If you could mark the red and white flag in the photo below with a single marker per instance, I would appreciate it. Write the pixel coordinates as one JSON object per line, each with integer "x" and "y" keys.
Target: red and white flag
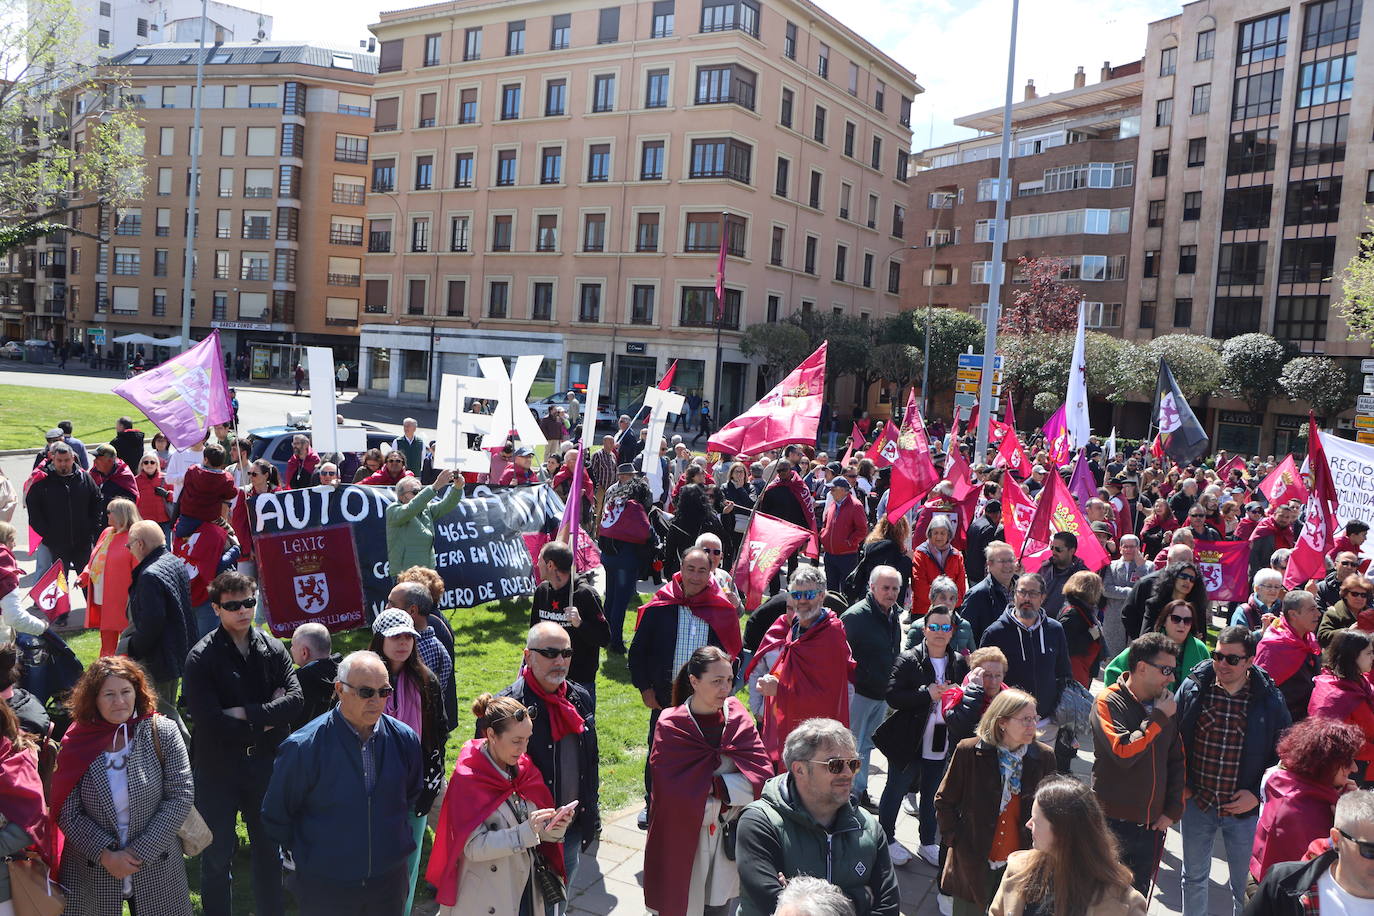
{"x": 788, "y": 414}
{"x": 1308, "y": 560}
{"x": 883, "y": 451}
{"x": 1225, "y": 568}
{"x": 1284, "y": 483}
{"x": 913, "y": 473}
{"x": 768, "y": 544}
{"x": 50, "y": 593}
{"x": 1056, "y": 511}
{"x": 1012, "y": 456}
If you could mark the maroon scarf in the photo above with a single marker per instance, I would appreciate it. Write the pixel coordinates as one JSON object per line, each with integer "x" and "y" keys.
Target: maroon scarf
{"x": 82, "y": 743}
{"x": 564, "y": 719}
{"x": 21, "y": 795}
{"x": 710, "y": 604}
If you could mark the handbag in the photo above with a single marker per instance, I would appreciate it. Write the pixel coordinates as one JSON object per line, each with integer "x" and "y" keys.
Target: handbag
{"x": 193, "y": 833}
{"x": 1075, "y": 707}
{"x": 547, "y": 880}
{"x": 31, "y": 893}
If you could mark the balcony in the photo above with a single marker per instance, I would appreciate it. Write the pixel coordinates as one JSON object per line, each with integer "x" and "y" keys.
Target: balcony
{"x": 255, "y": 273}
{"x": 349, "y": 155}
{"x": 257, "y": 192}
{"x": 53, "y": 307}
{"x": 345, "y": 236}
{"x": 379, "y": 242}
{"x": 348, "y": 194}
{"x": 257, "y": 232}
{"x": 343, "y": 279}
{"x": 55, "y": 271}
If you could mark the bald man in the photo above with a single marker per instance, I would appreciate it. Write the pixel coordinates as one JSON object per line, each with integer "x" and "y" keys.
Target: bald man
{"x": 160, "y": 622}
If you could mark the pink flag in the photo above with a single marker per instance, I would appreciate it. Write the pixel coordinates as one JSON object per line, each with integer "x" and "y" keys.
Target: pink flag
{"x": 1056, "y": 511}
{"x": 720, "y": 273}
{"x": 1082, "y": 484}
{"x": 1018, "y": 510}
{"x": 768, "y": 544}
{"x": 883, "y": 451}
{"x": 585, "y": 553}
{"x": 913, "y": 473}
{"x": 1284, "y": 483}
{"x": 1012, "y": 456}
{"x": 184, "y": 396}
{"x": 1309, "y": 554}
{"x": 787, "y": 414}
{"x": 1225, "y": 568}
{"x": 1225, "y": 470}
{"x": 1056, "y": 430}
{"x": 856, "y": 442}
{"x": 1007, "y": 415}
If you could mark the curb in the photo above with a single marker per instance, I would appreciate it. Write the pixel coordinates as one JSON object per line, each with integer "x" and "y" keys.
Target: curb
{"x": 16, "y": 452}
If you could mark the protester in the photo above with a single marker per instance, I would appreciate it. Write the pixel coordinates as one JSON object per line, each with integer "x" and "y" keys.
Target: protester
{"x": 873, "y": 629}
{"x": 411, "y": 518}
{"x": 1339, "y": 880}
{"x": 371, "y": 462}
{"x": 1262, "y": 607}
{"x": 65, "y": 508}
{"x": 127, "y": 442}
{"x": 521, "y": 470}
{"x": 28, "y": 709}
{"x": 886, "y": 545}
{"x": 982, "y": 531}
{"x": 114, "y": 478}
{"x": 985, "y": 601}
{"x": 933, "y": 558}
{"x": 806, "y": 824}
{"x": 1343, "y": 692}
{"x": 1118, "y": 578}
{"x": 1289, "y": 652}
{"x": 1352, "y": 611}
{"x": 434, "y": 638}
{"x": 340, "y": 799}
{"x": 1034, "y": 644}
{"x": 160, "y": 622}
{"x": 109, "y": 575}
{"x": 964, "y": 703}
{"x": 1274, "y": 532}
{"x": 1082, "y": 632}
{"x": 622, "y": 550}
{"x": 1316, "y": 761}
{"x": 1159, "y": 526}
{"x": 1344, "y": 563}
{"x": 121, "y": 790}
{"x": 410, "y": 444}
{"x": 1135, "y": 616}
{"x": 392, "y": 472}
{"x": 23, "y": 812}
{"x": 695, "y": 513}
{"x": 808, "y": 896}
{"x": 1138, "y": 766}
{"x": 1063, "y": 563}
{"x": 981, "y": 804}
{"x": 162, "y": 448}
{"x": 571, "y": 602}
{"x": 707, "y": 757}
{"x": 205, "y": 489}
{"x": 1179, "y": 582}
{"x": 316, "y": 668}
{"x": 1072, "y": 866}
{"x": 1230, "y": 715}
{"x": 1177, "y": 621}
{"x": 243, "y": 696}
{"x": 154, "y": 493}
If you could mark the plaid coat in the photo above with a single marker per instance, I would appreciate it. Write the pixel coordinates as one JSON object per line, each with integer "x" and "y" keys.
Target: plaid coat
{"x": 160, "y": 797}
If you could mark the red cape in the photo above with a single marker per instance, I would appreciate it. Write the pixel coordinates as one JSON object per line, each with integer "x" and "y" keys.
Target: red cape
{"x": 1283, "y": 535}
{"x": 9, "y": 571}
{"x": 21, "y": 795}
{"x": 710, "y": 604}
{"x": 384, "y": 478}
{"x": 1281, "y": 654}
{"x": 481, "y": 789}
{"x": 812, "y": 671}
{"x": 683, "y": 765}
{"x": 799, "y": 490}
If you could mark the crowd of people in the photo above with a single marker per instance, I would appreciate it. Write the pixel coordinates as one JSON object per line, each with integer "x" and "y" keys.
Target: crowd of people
{"x": 924, "y": 635}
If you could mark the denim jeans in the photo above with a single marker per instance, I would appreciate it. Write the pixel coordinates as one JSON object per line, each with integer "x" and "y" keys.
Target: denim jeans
{"x": 838, "y": 566}
{"x": 622, "y": 579}
{"x": 1199, "y": 830}
{"x": 222, "y": 793}
{"x": 205, "y": 619}
{"x": 899, "y": 782}
{"x": 865, "y": 716}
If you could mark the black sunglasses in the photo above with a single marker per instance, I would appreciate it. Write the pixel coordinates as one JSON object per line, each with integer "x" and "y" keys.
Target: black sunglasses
{"x": 1365, "y": 847}
{"x": 239, "y": 605}
{"x": 836, "y": 765}
{"x": 553, "y": 653}
{"x": 1229, "y": 658}
{"x": 1187, "y": 576}
{"x": 368, "y": 693}
{"x": 1166, "y": 670}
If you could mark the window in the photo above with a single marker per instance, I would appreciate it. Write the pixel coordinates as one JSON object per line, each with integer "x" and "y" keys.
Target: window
{"x": 292, "y": 141}
{"x": 594, "y": 232}
{"x": 1183, "y": 313}
{"x": 1187, "y": 259}
{"x": 774, "y": 306}
{"x": 159, "y": 262}
{"x": 541, "y": 304}
{"x": 785, "y": 114}
{"x": 164, "y": 223}
{"x": 1202, "y": 98}
{"x": 1164, "y": 112}
{"x": 780, "y": 183}
{"x": 987, "y": 190}
{"x": 980, "y": 273}
{"x": 546, "y": 232}
{"x": 1192, "y": 206}
{"x": 656, "y": 89}
{"x": 379, "y": 236}
{"x": 1246, "y": 208}
{"x": 498, "y": 298}
{"x": 559, "y": 37}
{"x": 1197, "y": 152}
{"x": 375, "y": 295}
{"x": 129, "y": 221}
{"x": 428, "y": 102}
{"x": 662, "y": 25}
{"x": 721, "y": 158}
{"x": 555, "y": 98}
{"x": 1206, "y": 45}
{"x": 424, "y": 173}
{"x": 1258, "y": 95}
{"x": 515, "y": 38}
{"x": 1317, "y": 200}
{"x": 904, "y": 116}
{"x": 641, "y": 304}
{"x": 164, "y": 182}
{"x": 385, "y": 114}
{"x": 1159, "y": 163}
{"x": 700, "y": 307}
{"x": 898, "y": 220}
{"x": 432, "y": 53}
{"x": 651, "y": 160}
{"x": 732, "y": 84}
{"x": 126, "y": 262}
{"x": 1301, "y": 317}
{"x": 507, "y": 165}
{"x": 703, "y": 233}
{"x": 467, "y": 106}
{"x": 879, "y": 92}
{"x": 853, "y": 78}
{"x": 254, "y": 265}
{"x": 608, "y": 26}
{"x": 841, "y": 262}
{"x": 868, "y": 270}
{"x": 502, "y": 229}
{"x": 777, "y": 244}
{"x": 344, "y": 272}
{"x": 724, "y": 15}
{"x": 872, "y": 221}
{"x": 354, "y": 104}
{"x": 1252, "y": 151}
{"x": 462, "y": 170}
{"x": 818, "y": 133}
{"x": 589, "y": 302}
{"x": 894, "y": 277}
{"x": 1155, "y": 217}
{"x": 603, "y": 92}
{"x": 823, "y": 60}
{"x": 510, "y": 102}
{"x": 458, "y": 233}
{"x": 1330, "y": 22}
{"x": 1151, "y": 264}
{"x": 1310, "y": 260}
{"x": 1368, "y": 190}
{"x": 1241, "y": 263}
{"x": 389, "y": 56}
{"x": 1232, "y": 315}
{"x": 103, "y": 38}
{"x": 903, "y": 164}
{"x": 599, "y": 162}
{"x": 551, "y": 165}
{"x": 1168, "y": 61}
{"x": 646, "y": 232}
{"x": 1147, "y": 314}
{"x": 166, "y": 141}
{"x": 814, "y": 199}
{"x": 1095, "y": 221}
{"x": 1320, "y": 141}
{"x": 456, "y": 300}
{"x": 472, "y": 44}
{"x": 876, "y": 158}
{"x": 809, "y": 258}
{"x": 1326, "y": 81}
{"x": 263, "y": 96}
{"x": 419, "y": 234}
{"x": 789, "y": 41}
{"x": 1262, "y": 39}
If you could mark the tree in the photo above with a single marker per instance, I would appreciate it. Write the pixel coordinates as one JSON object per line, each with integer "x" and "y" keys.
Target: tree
{"x": 1252, "y": 364}
{"x": 952, "y": 332}
{"x": 1044, "y": 304}
{"x": 1039, "y": 365}
{"x": 898, "y": 363}
{"x": 1320, "y": 381}
{"x": 1356, "y": 305}
{"x": 1194, "y": 359}
{"x": 43, "y": 178}
{"x": 781, "y": 345}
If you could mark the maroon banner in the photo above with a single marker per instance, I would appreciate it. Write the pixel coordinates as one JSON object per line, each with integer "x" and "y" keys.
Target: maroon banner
{"x": 1225, "y": 568}
{"x": 292, "y": 569}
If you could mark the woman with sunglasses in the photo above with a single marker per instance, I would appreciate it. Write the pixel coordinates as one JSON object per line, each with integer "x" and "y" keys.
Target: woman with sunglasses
{"x": 984, "y": 801}
{"x": 417, "y": 702}
{"x": 497, "y": 819}
{"x": 392, "y": 470}
{"x": 109, "y": 575}
{"x": 1343, "y": 692}
{"x": 708, "y": 762}
{"x": 1177, "y": 620}
{"x": 1352, "y": 611}
{"x": 371, "y": 463}
{"x": 1180, "y": 582}
{"x": 154, "y": 493}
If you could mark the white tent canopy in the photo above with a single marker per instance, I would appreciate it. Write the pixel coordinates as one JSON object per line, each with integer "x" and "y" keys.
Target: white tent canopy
{"x": 145, "y": 339}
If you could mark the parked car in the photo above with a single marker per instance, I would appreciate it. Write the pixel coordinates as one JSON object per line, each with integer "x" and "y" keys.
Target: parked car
{"x": 12, "y": 350}
{"x": 274, "y": 442}
{"x": 605, "y": 413}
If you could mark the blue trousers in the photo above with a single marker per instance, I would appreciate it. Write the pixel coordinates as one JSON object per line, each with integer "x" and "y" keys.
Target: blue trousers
{"x": 622, "y": 581}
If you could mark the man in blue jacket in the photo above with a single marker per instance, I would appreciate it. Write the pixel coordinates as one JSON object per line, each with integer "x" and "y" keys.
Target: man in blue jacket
{"x": 339, "y": 799}
{"x": 1036, "y": 650}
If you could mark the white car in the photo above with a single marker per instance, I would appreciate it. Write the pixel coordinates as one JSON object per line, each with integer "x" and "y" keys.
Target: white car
{"x": 12, "y": 350}
{"x": 605, "y": 414}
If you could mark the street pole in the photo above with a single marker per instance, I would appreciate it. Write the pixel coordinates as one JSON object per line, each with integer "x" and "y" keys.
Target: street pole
{"x": 998, "y": 245}
{"x": 192, "y": 218}
{"x": 720, "y": 321}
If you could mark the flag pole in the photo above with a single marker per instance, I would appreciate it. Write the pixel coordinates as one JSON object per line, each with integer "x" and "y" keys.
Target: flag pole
{"x": 720, "y": 317}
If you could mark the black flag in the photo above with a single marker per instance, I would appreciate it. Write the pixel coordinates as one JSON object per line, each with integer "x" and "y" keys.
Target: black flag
{"x": 1181, "y": 436}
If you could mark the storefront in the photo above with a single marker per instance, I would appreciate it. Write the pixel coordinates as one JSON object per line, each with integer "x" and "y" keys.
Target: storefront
{"x": 1238, "y": 432}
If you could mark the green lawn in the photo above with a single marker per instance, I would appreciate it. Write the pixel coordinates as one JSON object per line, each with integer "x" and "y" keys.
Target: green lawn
{"x": 27, "y": 412}
{"x": 487, "y": 649}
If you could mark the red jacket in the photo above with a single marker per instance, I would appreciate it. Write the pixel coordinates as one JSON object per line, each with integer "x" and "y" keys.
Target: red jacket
{"x": 846, "y": 526}
{"x": 925, "y": 569}
{"x": 384, "y": 478}
{"x": 150, "y": 505}
{"x": 1296, "y": 811}
{"x": 1346, "y": 700}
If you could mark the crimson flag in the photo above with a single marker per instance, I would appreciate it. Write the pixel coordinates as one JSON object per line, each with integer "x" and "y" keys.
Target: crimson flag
{"x": 667, "y": 381}
{"x": 1012, "y": 456}
{"x": 1308, "y": 560}
{"x": 1056, "y": 511}
{"x": 1284, "y": 483}
{"x": 311, "y": 576}
{"x": 883, "y": 451}
{"x": 913, "y": 473}
{"x": 788, "y": 414}
{"x": 50, "y": 593}
{"x": 1225, "y": 568}
{"x": 1225, "y": 470}
{"x": 856, "y": 442}
{"x": 1018, "y": 510}
{"x": 768, "y": 544}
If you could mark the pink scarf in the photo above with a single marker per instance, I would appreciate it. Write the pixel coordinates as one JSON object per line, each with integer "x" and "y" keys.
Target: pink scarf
{"x": 404, "y": 704}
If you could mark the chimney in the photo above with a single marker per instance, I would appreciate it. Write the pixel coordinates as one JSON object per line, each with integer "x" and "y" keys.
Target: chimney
{"x": 1106, "y": 70}
{"x": 1030, "y": 90}
{"x": 1080, "y": 79}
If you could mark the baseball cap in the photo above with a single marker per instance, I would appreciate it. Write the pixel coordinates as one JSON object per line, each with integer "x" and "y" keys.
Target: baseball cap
{"x": 524, "y": 451}
{"x": 839, "y": 482}
{"x": 393, "y": 622}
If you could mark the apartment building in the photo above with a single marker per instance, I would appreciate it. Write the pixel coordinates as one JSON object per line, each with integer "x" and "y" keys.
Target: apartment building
{"x": 283, "y": 169}
{"x": 1072, "y": 180}
{"x": 1250, "y": 126}
{"x": 557, "y": 177}
{"x": 111, "y": 27}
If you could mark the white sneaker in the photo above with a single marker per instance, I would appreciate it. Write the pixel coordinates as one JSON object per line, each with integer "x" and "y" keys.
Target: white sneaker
{"x": 930, "y": 855}
{"x": 898, "y": 853}
{"x": 945, "y": 903}
{"x": 909, "y": 805}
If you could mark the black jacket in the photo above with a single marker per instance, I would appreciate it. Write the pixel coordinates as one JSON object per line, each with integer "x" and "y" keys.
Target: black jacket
{"x": 444, "y": 633}
{"x": 982, "y": 532}
{"x": 900, "y": 736}
{"x": 317, "y": 688}
{"x": 218, "y": 677}
{"x": 756, "y": 626}
{"x": 588, "y": 638}
{"x": 878, "y": 553}
{"x": 66, "y": 511}
{"x": 28, "y": 709}
{"x": 1037, "y": 660}
{"x": 1328, "y": 591}
{"x": 160, "y": 615}
{"x": 651, "y": 652}
{"x": 874, "y": 638}
{"x": 544, "y": 753}
{"x": 1285, "y": 884}
{"x": 1134, "y": 615}
{"x": 1179, "y": 504}
{"x": 128, "y": 445}
{"x": 984, "y": 603}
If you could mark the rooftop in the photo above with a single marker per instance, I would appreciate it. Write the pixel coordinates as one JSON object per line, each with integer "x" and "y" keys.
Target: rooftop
{"x": 249, "y": 52}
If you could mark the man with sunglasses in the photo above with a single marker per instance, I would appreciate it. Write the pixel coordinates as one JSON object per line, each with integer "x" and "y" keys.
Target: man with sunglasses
{"x": 1138, "y": 767}
{"x": 1343, "y": 565}
{"x": 241, "y": 691}
{"x": 570, "y": 602}
{"x": 1059, "y": 568}
{"x": 1230, "y": 715}
{"x": 1339, "y": 882}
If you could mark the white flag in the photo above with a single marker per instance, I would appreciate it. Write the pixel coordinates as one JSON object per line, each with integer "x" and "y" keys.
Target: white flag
{"x": 1076, "y": 400}
{"x": 1111, "y": 444}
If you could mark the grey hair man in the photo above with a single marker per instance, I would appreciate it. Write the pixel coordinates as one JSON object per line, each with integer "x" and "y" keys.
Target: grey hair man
{"x": 985, "y": 601}
{"x": 786, "y": 833}
{"x": 317, "y": 666}
{"x": 808, "y": 896}
{"x": 1293, "y": 672}
{"x": 873, "y": 627}
{"x": 1118, "y": 579}
{"x": 715, "y": 552}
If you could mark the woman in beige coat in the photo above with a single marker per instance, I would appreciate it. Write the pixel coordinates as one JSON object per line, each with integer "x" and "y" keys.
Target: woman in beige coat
{"x": 1065, "y": 871}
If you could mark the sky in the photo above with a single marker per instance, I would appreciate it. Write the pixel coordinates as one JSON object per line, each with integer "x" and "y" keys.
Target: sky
{"x": 956, "y": 48}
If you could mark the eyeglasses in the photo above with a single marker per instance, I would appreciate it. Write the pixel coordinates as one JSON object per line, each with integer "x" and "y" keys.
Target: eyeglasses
{"x": 1188, "y": 577}
{"x": 713, "y": 551}
{"x": 1166, "y": 670}
{"x": 939, "y": 627}
{"x": 1357, "y": 594}
{"x": 153, "y": 462}
{"x": 1059, "y": 550}
{"x": 368, "y": 693}
{"x": 1351, "y": 563}
{"x": 553, "y": 653}
{"x": 329, "y": 473}
{"x": 255, "y": 473}
{"x": 805, "y": 594}
{"x": 1029, "y": 593}
{"x": 1366, "y": 847}
{"x": 239, "y": 605}
{"x": 1228, "y": 658}
{"x": 836, "y": 765}
{"x": 1028, "y": 721}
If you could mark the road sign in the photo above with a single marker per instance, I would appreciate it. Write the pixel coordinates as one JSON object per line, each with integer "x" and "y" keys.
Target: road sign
{"x": 1365, "y": 403}
{"x": 1366, "y": 365}
{"x": 1363, "y": 422}
{"x": 975, "y": 361}
{"x": 968, "y": 400}
{"x": 973, "y": 388}
{"x": 1365, "y": 436}
{"x": 1369, "y": 384}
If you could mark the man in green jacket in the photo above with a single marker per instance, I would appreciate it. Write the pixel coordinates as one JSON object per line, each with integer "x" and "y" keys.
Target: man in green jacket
{"x": 410, "y": 521}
